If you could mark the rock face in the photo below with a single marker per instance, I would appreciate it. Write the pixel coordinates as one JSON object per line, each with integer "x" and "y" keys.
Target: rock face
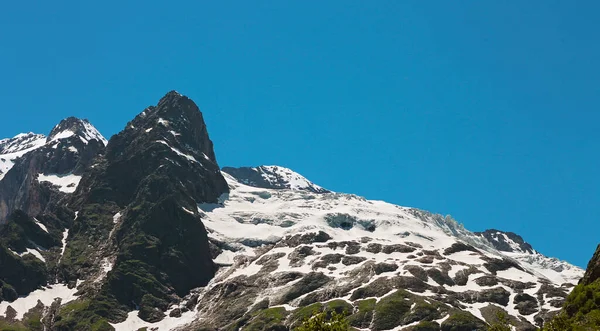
{"x": 507, "y": 241}
{"x": 148, "y": 244}
{"x": 47, "y": 168}
{"x": 273, "y": 177}
{"x": 146, "y": 231}
{"x": 592, "y": 273}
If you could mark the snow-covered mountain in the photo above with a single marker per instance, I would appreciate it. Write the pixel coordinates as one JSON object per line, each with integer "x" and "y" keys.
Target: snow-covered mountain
{"x": 273, "y": 177}
{"x": 37, "y": 170}
{"x": 13, "y": 148}
{"x": 145, "y": 231}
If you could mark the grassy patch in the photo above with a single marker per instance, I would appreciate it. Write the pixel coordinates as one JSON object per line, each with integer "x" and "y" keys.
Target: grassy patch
{"x": 391, "y": 311}
{"x": 266, "y": 318}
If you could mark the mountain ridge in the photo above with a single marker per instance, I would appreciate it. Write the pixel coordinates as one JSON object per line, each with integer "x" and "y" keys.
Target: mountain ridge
{"x": 151, "y": 232}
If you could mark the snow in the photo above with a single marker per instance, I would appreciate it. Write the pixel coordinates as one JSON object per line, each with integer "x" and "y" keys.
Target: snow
{"x": 267, "y": 215}
{"x": 66, "y": 183}
{"x": 88, "y": 133}
{"x": 273, "y": 174}
{"x": 73, "y": 149}
{"x": 225, "y": 258}
{"x": 553, "y": 269}
{"x": 92, "y": 133}
{"x": 42, "y": 226}
{"x": 133, "y": 322}
{"x": 149, "y": 129}
{"x": 117, "y": 217}
{"x": 467, "y": 257}
{"x": 178, "y": 152}
{"x": 63, "y": 135}
{"x": 45, "y": 295}
{"x": 187, "y": 210}
{"x": 163, "y": 122}
{"x": 516, "y": 274}
{"x": 16, "y": 147}
{"x": 64, "y": 242}
{"x": 31, "y": 251}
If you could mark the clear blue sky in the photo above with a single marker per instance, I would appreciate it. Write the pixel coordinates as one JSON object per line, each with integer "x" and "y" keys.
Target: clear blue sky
{"x": 487, "y": 110}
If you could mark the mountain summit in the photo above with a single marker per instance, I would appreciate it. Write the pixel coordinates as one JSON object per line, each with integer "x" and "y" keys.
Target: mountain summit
{"x": 273, "y": 177}
{"x": 72, "y": 126}
{"x": 39, "y": 170}
{"x": 145, "y": 231}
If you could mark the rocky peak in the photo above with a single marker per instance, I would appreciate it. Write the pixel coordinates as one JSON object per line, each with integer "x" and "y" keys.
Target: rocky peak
{"x": 273, "y": 177}
{"x": 175, "y": 122}
{"x": 80, "y": 128}
{"x": 507, "y": 241}
{"x": 13, "y": 148}
{"x": 21, "y": 142}
{"x": 39, "y": 171}
{"x": 592, "y": 272}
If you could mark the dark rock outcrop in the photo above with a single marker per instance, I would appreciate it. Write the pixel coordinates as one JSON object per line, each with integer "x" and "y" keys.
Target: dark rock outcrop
{"x": 506, "y": 241}
{"x": 154, "y": 173}
{"x": 273, "y": 177}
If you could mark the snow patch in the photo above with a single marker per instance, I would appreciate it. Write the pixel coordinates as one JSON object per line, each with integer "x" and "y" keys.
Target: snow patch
{"x": 178, "y": 152}
{"x": 46, "y": 295}
{"x": 66, "y": 183}
{"x": 42, "y": 226}
{"x": 134, "y": 322}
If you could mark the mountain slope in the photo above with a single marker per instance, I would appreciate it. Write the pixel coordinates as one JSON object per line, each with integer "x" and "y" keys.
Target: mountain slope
{"x": 287, "y": 249}
{"x": 581, "y": 311}
{"x": 154, "y": 235}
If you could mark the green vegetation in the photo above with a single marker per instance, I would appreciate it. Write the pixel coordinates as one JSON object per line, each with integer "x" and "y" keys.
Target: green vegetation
{"x": 391, "y": 310}
{"x": 323, "y": 322}
{"x": 80, "y": 315}
{"x": 363, "y": 317}
{"x": 265, "y": 319}
{"x": 426, "y": 326}
{"x": 306, "y": 312}
{"x": 31, "y": 322}
{"x": 502, "y": 323}
{"x": 463, "y": 320}
{"x": 581, "y": 311}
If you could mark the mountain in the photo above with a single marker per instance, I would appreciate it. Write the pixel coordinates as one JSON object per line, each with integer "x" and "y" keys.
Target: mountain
{"x": 13, "y": 148}
{"x": 273, "y": 177}
{"x": 147, "y": 231}
{"x": 41, "y": 170}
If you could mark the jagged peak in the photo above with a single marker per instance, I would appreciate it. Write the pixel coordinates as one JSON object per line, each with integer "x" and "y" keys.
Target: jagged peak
{"x": 507, "y": 241}
{"x": 21, "y": 142}
{"x": 273, "y": 177}
{"x": 72, "y": 126}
